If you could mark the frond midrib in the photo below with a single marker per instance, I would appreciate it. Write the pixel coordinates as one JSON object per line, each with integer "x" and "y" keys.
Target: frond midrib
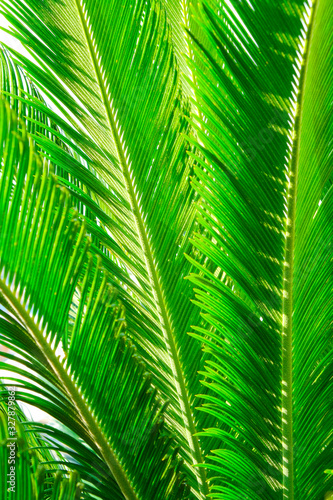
{"x": 288, "y": 273}
{"x": 161, "y": 306}
{"x": 95, "y": 432}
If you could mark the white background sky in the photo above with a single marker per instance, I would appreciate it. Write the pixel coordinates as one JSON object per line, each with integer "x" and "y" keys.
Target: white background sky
{"x": 8, "y": 39}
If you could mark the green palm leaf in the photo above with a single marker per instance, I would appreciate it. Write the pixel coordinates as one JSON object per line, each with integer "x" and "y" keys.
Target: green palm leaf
{"x": 266, "y": 201}
{"x": 117, "y": 60}
{"x": 22, "y": 475}
{"x": 101, "y": 389}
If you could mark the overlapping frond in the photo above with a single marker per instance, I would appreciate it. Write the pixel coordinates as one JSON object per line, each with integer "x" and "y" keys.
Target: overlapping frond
{"x": 118, "y": 62}
{"x": 14, "y": 81}
{"x": 101, "y": 389}
{"x": 23, "y": 477}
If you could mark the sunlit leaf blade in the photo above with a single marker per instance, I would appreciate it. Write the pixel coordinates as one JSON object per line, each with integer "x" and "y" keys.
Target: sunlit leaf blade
{"x": 101, "y": 389}
{"x": 14, "y": 81}
{"x": 118, "y": 61}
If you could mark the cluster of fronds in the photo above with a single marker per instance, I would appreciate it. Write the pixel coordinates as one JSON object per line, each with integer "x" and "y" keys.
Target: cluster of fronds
{"x": 166, "y": 248}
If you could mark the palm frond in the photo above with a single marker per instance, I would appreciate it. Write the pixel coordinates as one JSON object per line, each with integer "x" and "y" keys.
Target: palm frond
{"x": 101, "y": 389}
{"x": 118, "y": 62}
{"x": 266, "y": 203}
{"x": 22, "y": 475}
{"x": 53, "y": 138}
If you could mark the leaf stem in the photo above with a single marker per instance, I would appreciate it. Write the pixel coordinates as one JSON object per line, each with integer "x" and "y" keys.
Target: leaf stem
{"x": 287, "y": 300}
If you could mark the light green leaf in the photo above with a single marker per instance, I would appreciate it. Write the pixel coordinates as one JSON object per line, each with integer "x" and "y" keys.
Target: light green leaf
{"x": 113, "y": 67}
{"x": 101, "y": 389}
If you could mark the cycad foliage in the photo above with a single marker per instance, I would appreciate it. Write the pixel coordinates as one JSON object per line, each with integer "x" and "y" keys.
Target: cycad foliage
{"x": 27, "y": 478}
{"x": 168, "y": 225}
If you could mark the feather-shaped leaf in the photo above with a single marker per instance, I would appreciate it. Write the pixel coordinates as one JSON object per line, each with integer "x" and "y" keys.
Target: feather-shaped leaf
{"x": 266, "y": 201}
{"x": 101, "y": 389}
{"x": 21, "y": 474}
{"x": 112, "y": 65}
